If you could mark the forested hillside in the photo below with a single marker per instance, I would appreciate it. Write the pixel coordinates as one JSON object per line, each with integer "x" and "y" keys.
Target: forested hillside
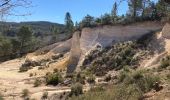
{"x": 40, "y": 33}
{"x": 38, "y": 27}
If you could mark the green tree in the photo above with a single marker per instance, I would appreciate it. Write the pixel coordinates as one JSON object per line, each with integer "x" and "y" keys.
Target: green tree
{"x": 98, "y": 21}
{"x": 5, "y": 46}
{"x": 88, "y": 21}
{"x": 154, "y": 13}
{"x": 69, "y": 25}
{"x": 55, "y": 32}
{"x": 76, "y": 89}
{"x": 106, "y": 19}
{"x": 24, "y": 36}
{"x": 145, "y": 6}
{"x": 54, "y": 79}
{"x": 134, "y": 7}
{"x": 114, "y": 13}
{"x": 162, "y": 8}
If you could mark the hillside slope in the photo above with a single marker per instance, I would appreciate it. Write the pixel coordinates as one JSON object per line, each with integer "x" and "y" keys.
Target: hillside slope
{"x": 105, "y": 45}
{"x": 103, "y": 36}
{"x": 108, "y": 35}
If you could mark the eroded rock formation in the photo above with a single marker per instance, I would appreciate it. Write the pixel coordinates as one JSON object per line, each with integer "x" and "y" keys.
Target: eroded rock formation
{"x": 89, "y": 38}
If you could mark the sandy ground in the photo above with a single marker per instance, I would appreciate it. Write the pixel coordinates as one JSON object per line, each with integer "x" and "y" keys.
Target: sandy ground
{"x": 12, "y": 82}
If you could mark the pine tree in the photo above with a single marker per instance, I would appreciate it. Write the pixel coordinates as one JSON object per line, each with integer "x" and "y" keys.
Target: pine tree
{"x": 114, "y": 13}
{"x": 88, "y": 21}
{"x": 5, "y": 46}
{"x": 24, "y": 36}
{"x": 69, "y": 25}
{"x": 134, "y": 7}
{"x": 145, "y": 6}
{"x": 162, "y": 8}
{"x": 154, "y": 13}
{"x": 106, "y": 19}
{"x": 54, "y": 31}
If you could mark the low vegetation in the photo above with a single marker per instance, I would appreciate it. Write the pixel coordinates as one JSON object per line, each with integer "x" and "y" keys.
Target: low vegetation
{"x": 44, "y": 96}
{"x": 139, "y": 10}
{"x": 24, "y": 69}
{"x": 115, "y": 57}
{"x": 37, "y": 82}
{"x": 108, "y": 78}
{"x": 76, "y": 89}
{"x": 54, "y": 78}
{"x": 91, "y": 79}
{"x": 25, "y": 94}
{"x": 130, "y": 86}
{"x": 1, "y": 98}
{"x": 80, "y": 78}
{"x": 118, "y": 56}
{"x": 165, "y": 62}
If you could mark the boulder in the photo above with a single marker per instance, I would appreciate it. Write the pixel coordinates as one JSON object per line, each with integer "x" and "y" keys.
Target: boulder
{"x": 166, "y": 31}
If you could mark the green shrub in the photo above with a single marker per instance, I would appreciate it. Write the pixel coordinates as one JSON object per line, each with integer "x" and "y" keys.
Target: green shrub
{"x": 6, "y": 46}
{"x": 41, "y": 68}
{"x": 131, "y": 86}
{"x": 168, "y": 76}
{"x": 48, "y": 73}
{"x": 118, "y": 92}
{"x": 122, "y": 76}
{"x": 150, "y": 80}
{"x": 69, "y": 75}
{"x": 141, "y": 79}
{"x": 97, "y": 88}
{"x": 127, "y": 92}
{"x": 23, "y": 69}
{"x": 126, "y": 68}
{"x": 55, "y": 70}
{"x": 44, "y": 95}
{"x": 108, "y": 78}
{"x": 37, "y": 82}
{"x": 165, "y": 62}
{"x": 80, "y": 78}
{"x": 25, "y": 93}
{"x": 31, "y": 74}
{"x": 120, "y": 55}
{"x": 76, "y": 89}
{"x": 1, "y": 98}
{"x": 91, "y": 79}
{"x": 54, "y": 79}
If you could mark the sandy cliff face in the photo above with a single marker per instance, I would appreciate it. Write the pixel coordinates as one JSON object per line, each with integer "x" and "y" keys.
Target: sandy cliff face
{"x": 86, "y": 40}
{"x": 75, "y": 52}
{"x": 106, "y": 35}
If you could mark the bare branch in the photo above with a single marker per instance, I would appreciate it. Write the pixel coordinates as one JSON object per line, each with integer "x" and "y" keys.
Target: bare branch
{"x": 5, "y": 3}
{"x": 7, "y": 7}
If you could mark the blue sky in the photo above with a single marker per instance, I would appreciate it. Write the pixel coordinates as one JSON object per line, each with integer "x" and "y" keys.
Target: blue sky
{"x": 54, "y": 10}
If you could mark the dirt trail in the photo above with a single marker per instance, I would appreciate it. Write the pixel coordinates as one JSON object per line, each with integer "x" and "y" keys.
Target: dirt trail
{"x": 12, "y": 82}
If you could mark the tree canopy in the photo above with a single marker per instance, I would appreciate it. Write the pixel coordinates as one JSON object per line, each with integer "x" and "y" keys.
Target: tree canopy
{"x": 69, "y": 25}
